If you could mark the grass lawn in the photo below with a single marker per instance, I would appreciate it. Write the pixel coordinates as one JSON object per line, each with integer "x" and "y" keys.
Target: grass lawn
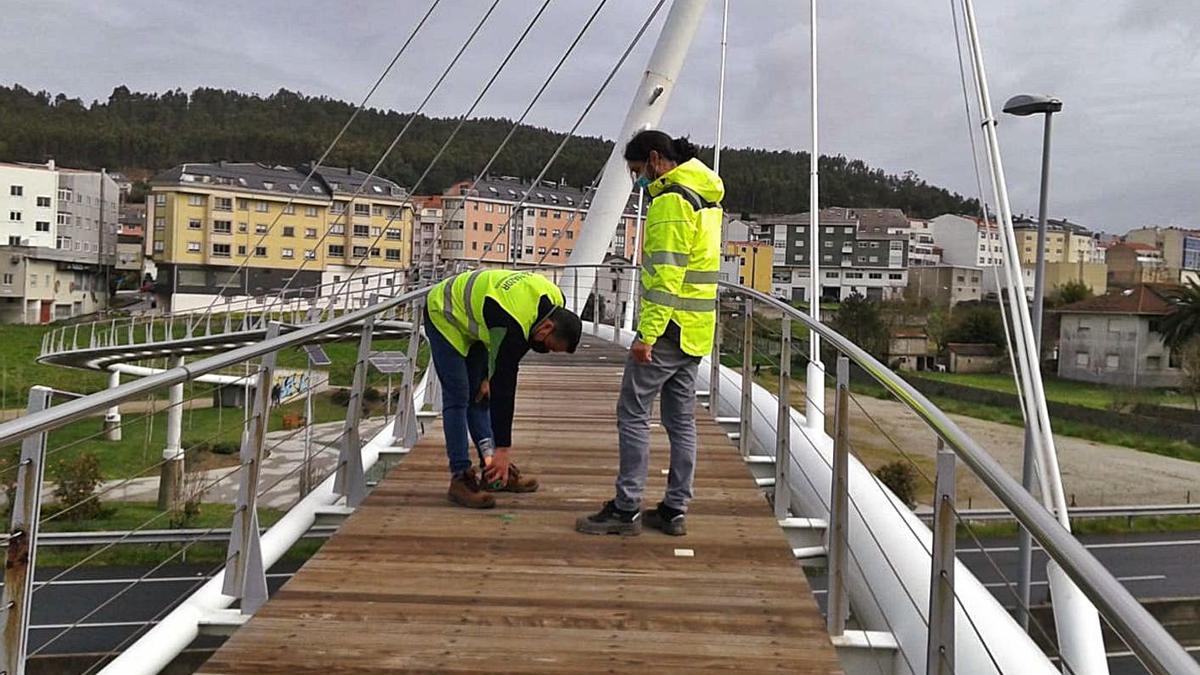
{"x": 1063, "y": 391}
{"x": 19, "y": 369}
{"x": 1079, "y": 526}
{"x": 133, "y": 453}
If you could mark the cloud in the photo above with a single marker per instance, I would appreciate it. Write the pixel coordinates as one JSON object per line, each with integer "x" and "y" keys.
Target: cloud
{"x": 1124, "y": 147}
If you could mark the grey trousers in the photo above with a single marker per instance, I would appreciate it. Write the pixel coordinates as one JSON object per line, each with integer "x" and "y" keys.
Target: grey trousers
{"x": 673, "y": 373}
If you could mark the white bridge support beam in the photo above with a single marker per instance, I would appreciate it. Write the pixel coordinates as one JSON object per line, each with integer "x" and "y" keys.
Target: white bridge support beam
{"x": 170, "y": 480}
{"x": 889, "y": 552}
{"x": 649, "y": 103}
{"x": 112, "y": 418}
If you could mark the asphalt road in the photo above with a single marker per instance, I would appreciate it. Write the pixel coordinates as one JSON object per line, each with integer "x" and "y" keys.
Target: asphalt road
{"x": 1150, "y": 565}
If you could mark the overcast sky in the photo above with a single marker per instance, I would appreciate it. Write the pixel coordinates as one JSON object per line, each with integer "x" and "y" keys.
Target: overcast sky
{"x": 1126, "y": 147}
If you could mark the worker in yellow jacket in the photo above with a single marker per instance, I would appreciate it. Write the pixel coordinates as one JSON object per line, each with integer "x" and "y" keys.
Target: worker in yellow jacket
{"x": 681, "y": 258}
{"x": 480, "y": 324}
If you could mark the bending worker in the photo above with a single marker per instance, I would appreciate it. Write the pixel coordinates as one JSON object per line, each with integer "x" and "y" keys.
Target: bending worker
{"x": 681, "y": 254}
{"x": 480, "y": 324}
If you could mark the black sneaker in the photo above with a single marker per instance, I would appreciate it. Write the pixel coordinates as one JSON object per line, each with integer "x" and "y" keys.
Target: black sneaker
{"x": 670, "y": 521}
{"x": 611, "y": 520}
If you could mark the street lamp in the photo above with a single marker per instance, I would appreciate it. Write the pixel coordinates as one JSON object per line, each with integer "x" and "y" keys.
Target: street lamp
{"x": 1023, "y": 105}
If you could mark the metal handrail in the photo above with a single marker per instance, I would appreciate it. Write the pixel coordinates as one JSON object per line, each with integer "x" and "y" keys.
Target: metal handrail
{"x": 1145, "y": 636}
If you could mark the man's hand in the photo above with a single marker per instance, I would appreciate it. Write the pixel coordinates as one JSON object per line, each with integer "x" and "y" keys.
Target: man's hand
{"x": 497, "y": 469}
{"x": 641, "y": 351}
{"x": 485, "y": 390}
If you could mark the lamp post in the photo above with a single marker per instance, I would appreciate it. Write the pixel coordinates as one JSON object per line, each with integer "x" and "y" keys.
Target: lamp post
{"x": 1023, "y": 105}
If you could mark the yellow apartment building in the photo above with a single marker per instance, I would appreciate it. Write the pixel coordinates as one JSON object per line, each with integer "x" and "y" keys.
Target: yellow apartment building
{"x": 206, "y": 220}
{"x": 754, "y": 263}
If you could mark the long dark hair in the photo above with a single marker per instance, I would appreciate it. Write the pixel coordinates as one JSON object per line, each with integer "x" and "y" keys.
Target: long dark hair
{"x": 677, "y": 150}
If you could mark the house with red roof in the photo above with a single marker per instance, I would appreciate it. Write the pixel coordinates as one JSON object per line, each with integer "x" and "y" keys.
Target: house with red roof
{"x": 1116, "y": 339}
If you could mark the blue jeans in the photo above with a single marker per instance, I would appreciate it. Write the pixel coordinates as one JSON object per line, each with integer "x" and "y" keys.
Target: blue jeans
{"x": 461, "y": 414}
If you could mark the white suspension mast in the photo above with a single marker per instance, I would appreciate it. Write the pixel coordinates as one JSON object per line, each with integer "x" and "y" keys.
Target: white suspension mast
{"x": 1075, "y": 617}
{"x": 814, "y": 407}
{"x": 721, "y": 91}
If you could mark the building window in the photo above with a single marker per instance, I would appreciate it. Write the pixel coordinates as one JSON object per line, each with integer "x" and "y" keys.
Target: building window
{"x": 310, "y": 233}
{"x": 42, "y": 226}
{"x": 393, "y": 254}
{"x": 43, "y": 202}
{"x": 310, "y": 254}
{"x": 337, "y": 251}
{"x": 194, "y": 224}
{"x": 528, "y": 250}
{"x": 541, "y": 231}
{"x": 241, "y": 250}
{"x": 289, "y": 231}
{"x": 393, "y": 234}
{"x": 362, "y": 230}
{"x": 360, "y": 251}
{"x": 828, "y": 244}
{"x": 223, "y": 204}
{"x": 261, "y": 228}
{"x": 874, "y": 275}
{"x": 158, "y": 246}
{"x": 337, "y": 228}
{"x": 873, "y": 259}
{"x": 310, "y": 211}
{"x": 8, "y": 279}
{"x": 193, "y": 247}
{"x": 1112, "y": 361}
{"x": 289, "y": 209}
{"x": 543, "y": 213}
{"x": 362, "y": 209}
{"x": 829, "y": 230}
{"x": 160, "y": 224}
{"x": 262, "y": 207}
{"x": 14, "y": 215}
{"x": 570, "y": 234}
{"x": 220, "y": 250}
{"x": 260, "y": 251}
{"x": 243, "y": 204}
{"x": 1153, "y": 363}
{"x": 223, "y": 227}
{"x": 16, "y": 190}
{"x": 285, "y": 252}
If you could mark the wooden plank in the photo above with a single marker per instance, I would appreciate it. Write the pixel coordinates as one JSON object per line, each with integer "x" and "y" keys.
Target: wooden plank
{"x": 411, "y": 583}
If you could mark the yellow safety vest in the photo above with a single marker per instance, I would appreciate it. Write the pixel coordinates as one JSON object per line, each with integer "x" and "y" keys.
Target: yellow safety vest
{"x": 456, "y": 303}
{"x": 681, "y": 256}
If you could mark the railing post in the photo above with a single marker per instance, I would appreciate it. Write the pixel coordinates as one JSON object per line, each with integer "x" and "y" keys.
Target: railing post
{"x": 940, "y": 652}
{"x": 618, "y": 315}
{"x": 596, "y": 318}
{"x": 404, "y": 427}
{"x": 746, "y": 409}
{"x": 22, "y": 542}
{"x": 783, "y": 424}
{"x": 349, "y": 480}
{"x": 714, "y": 365}
{"x": 839, "y": 503}
{"x": 245, "y": 576}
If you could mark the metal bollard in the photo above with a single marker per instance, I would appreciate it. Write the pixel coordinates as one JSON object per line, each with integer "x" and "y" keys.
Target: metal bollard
{"x": 839, "y": 506}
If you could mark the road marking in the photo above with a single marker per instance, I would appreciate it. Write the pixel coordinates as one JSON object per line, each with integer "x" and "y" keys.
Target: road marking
{"x": 1105, "y": 545}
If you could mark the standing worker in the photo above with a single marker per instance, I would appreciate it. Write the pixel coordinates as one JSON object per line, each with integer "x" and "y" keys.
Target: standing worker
{"x": 681, "y": 259}
{"x": 480, "y": 324}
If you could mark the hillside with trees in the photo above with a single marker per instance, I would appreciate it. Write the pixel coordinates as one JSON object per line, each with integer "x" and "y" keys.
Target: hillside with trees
{"x": 140, "y": 133}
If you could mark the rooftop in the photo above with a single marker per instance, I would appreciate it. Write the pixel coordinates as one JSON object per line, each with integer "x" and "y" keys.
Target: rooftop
{"x": 972, "y": 348}
{"x": 284, "y": 180}
{"x": 1144, "y": 299}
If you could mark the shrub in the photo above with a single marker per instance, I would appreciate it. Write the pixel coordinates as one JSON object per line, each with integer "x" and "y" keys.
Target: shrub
{"x": 901, "y": 478}
{"x": 225, "y": 448}
{"x": 76, "y": 482}
{"x": 372, "y": 395}
{"x": 341, "y": 397}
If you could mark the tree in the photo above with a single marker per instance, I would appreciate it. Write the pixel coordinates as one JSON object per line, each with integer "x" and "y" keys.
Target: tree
{"x": 1189, "y": 362}
{"x": 1071, "y": 292}
{"x": 1182, "y": 325}
{"x": 937, "y": 327}
{"x": 901, "y": 479}
{"x": 861, "y": 320}
{"x": 976, "y": 324}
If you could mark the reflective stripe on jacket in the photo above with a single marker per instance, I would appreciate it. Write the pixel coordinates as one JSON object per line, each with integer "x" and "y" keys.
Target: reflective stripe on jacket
{"x": 681, "y": 256}
{"x": 456, "y": 303}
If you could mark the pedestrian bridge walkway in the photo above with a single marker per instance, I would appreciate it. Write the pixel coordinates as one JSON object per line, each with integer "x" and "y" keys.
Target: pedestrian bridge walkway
{"x": 412, "y": 583}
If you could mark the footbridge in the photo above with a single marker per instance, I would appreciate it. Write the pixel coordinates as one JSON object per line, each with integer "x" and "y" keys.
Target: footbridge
{"x": 408, "y": 583}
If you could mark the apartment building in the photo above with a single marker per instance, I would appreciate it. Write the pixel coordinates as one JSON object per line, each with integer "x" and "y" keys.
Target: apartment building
{"x": 870, "y": 263}
{"x": 967, "y": 241}
{"x": 945, "y": 285}
{"x": 59, "y": 235}
{"x": 754, "y": 263}
{"x": 1180, "y": 249}
{"x": 205, "y": 220}
{"x": 1131, "y": 263}
{"x": 495, "y": 222}
{"x": 922, "y": 248}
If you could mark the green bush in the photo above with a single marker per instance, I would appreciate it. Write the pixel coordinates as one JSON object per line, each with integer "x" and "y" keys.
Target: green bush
{"x": 225, "y": 448}
{"x": 901, "y": 478}
{"x": 341, "y": 397}
{"x": 76, "y": 482}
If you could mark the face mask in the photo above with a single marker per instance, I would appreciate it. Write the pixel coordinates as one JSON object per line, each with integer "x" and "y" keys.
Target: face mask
{"x": 642, "y": 182}
{"x": 539, "y": 347}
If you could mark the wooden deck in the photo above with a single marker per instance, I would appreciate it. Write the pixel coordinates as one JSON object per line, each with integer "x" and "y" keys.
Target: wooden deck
{"x": 411, "y": 583}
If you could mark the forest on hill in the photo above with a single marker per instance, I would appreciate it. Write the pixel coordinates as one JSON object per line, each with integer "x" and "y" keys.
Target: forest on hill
{"x": 141, "y": 133}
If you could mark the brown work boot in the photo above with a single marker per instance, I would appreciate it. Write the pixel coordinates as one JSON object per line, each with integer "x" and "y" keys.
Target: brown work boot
{"x": 516, "y": 482}
{"x": 465, "y": 490}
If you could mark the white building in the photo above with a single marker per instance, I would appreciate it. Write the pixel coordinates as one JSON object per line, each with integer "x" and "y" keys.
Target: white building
{"x": 922, "y": 248}
{"x": 30, "y": 204}
{"x": 967, "y": 242}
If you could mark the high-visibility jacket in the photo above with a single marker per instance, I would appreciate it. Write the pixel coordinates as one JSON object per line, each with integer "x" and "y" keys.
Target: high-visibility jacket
{"x": 681, "y": 256}
{"x": 456, "y": 303}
